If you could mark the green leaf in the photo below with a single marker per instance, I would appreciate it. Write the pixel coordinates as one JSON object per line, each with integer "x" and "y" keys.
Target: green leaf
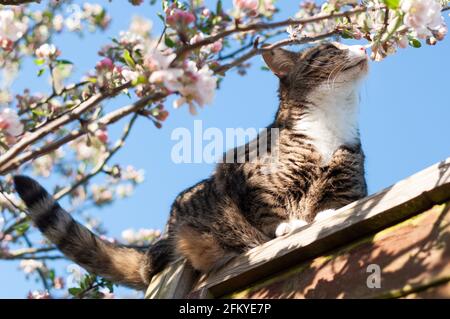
{"x": 39, "y": 61}
{"x": 22, "y": 228}
{"x": 51, "y": 275}
{"x": 40, "y": 72}
{"x": 265, "y": 68}
{"x": 168, "y": 41}
{"x": 140, "y": 80}
{"x": 160, "y": 15}
{"x": 38, "y": 112}
{"x": 346, "y": 34}
{"x": 219, "y": 7}
{"x": 415, "y": 43}
{"x": 392, "y": 4}
{"x": 74, "y": 291}
{"x": 128, "y": 59}
{"x": 59, "y": 62}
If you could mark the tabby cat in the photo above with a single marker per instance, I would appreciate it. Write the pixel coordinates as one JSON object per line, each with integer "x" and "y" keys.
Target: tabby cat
{"x": 319, "y": 168}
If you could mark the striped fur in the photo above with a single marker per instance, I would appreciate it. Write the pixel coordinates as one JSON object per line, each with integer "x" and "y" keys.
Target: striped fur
{"x": 319, "y": 168}
{"x": 118, "y": 264}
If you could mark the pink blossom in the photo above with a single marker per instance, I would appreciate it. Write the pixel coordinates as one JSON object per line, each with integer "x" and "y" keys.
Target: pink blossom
{"x": 102, "y": 135}
{"x": 250, "y": 5}
{"x": 179, "y": 17}
{"x": 36, "y": 294}
{"x": 216, "y": 46}
{"x": 106, "y": 63}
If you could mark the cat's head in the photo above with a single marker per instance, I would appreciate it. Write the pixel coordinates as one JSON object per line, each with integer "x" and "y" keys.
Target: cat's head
{"x": 328, "y": 67}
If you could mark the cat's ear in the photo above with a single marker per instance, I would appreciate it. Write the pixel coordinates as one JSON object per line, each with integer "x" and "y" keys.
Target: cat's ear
{"x": 280, "y": 61}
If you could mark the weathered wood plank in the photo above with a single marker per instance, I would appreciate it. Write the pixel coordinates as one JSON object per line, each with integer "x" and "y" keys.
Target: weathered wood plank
{"x": 435, "y": 291}
{"x": 396, "y": 203}
{"x": 411, "y": 257}
{"x": 174, "y": 282}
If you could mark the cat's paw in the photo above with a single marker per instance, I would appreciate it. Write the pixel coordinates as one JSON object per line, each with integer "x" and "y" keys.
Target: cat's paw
{"x": 324, "y": 214}
{"x": 288, "y": 227}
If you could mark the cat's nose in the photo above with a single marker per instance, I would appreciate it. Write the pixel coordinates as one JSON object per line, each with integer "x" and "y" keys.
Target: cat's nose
{"x": 358, "y": 50}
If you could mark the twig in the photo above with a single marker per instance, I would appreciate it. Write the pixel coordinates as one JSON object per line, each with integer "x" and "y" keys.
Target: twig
{"x": 266, "y": 26}
{"x": 108, "y": 119}
{"x": 99, "y": 167}
{"x": 255, "y": 51}
{"x": 53, "y": 125}
{"x": 18, "y": 2}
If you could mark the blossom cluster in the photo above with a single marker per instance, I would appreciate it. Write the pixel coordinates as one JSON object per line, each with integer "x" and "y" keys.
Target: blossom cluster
{"x": 386, "y": 25}
{"x": 140, "y": 237}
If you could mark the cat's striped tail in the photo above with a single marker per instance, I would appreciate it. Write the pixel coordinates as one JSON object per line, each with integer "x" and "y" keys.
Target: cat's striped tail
{"x": 119, "y": 264}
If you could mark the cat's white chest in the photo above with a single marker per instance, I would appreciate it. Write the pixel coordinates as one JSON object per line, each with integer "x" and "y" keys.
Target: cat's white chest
{"x": 331, "y": 122}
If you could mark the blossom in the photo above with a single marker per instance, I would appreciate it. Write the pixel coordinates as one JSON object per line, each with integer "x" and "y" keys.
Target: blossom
{"x": 141, "y": 236}
{"x": 10, "y": 122}
{"x": 198, "y": 86}
{"x": 102, "y": 135}
{"x": 43, "y": 165}
{"x": 29, "y": 266}
{"x": 36, "y": 294}
{"x": 101, "y": 194}
{"x": 124, "y": 190}
{"x": 106, "y": 63}
{"x": 211, "y": 48}
{"x": 246, "y": 4}
{"x": 130, "y": 173}
{"x": 157, "y": 60}
{"x": 178, "y": 17}
{"x": 11, "y": 28}
{"x": 58, "y": 283}
{"x": 76, "y": 274}
{"x": 422, "y": 15}
{"x": 46, "y": 51}
{"x": 92, "y": 9}
{"x": 254, "y": 8}
{"x": 129, "y": 75}
{"x": 170, "y": 78}
{"x": 58, "y": 22}
{"x": 140, "y": 26}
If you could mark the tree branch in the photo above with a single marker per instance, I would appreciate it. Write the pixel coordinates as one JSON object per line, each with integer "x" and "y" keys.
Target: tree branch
{"x": 108, "y": 119}
{"x": 17, "y": 2}
{"x": 55, "y": 124}
{"x": 255, "y": 51}
{"x": 266, "y": 26}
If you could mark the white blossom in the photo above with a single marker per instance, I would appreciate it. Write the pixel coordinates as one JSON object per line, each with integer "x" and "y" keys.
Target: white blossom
{"x": 76, "y": 274}
{"x": 10, "y": 122}
{"x": 58, "y": 22}
{"x": 10, "y": 27}
{"x": 46, "y": 50}
{"x": 140, "y": 26}
{"x": 140, "y": 236}
{"x": 124, "y": 190}
{"x": 422, "y": 15}
{"x": 37, "y": 294}
{"x": 29, "y": 266}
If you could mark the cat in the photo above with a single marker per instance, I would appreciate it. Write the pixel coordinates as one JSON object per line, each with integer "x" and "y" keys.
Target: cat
{"x": 319, "y": 168}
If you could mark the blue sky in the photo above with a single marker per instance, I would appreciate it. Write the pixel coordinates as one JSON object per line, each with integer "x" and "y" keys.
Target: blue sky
{"x": 404, "y": 124}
